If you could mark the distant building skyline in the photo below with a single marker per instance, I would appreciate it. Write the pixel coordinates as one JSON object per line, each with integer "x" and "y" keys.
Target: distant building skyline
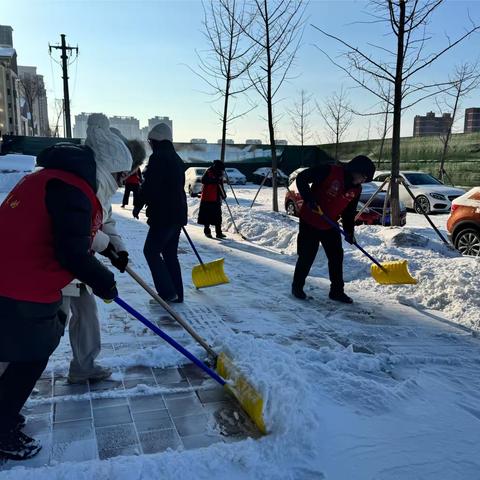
{"x": 431, "y": 125}
{"x": 472, "y": 120}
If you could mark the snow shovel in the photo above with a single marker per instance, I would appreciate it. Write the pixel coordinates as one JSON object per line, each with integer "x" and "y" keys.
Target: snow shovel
{"x": 386, "y": 273}
{"x": 246, "y": 395}
{"x": 207, "y": 274}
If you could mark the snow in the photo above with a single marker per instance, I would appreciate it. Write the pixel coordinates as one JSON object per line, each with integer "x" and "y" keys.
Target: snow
{"x": 387, "y": 388}
{"x": 13, "y": 167}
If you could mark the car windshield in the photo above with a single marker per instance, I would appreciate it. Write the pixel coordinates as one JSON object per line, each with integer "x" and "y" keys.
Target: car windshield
{"x": 422, "y": 179}
{"x": 200, "y": 171}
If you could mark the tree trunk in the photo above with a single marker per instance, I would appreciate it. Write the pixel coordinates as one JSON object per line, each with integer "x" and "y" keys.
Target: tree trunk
{"x": 397, "y": 117}
{"x": 271, "y": 128}
{"x": 224, "y": 120}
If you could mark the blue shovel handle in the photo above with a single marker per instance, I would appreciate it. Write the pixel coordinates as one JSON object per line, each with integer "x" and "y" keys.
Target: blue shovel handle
{"x": 169, "y": 340}
{"x": 342, "y": 231}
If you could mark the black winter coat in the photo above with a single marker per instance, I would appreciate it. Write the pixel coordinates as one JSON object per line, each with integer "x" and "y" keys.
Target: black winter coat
{"x": 163, "y": 188}
{"x": 31, "y": 331}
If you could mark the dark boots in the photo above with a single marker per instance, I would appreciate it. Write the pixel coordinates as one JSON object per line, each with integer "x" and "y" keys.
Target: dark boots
{"x": 16, "y": 445}
{"x": 298, "y": 292}
{"x": 218, "y": 232}
{"x": 340, "y": 297}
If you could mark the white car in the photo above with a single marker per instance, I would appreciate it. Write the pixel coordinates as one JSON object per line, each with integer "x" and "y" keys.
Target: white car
{"x": 193, "y": 180}
{"x": 260, "y": 173}
{"x": 235, "y": 176}
{"x": 431, "y": 195}
{"x": 13, "y": 167}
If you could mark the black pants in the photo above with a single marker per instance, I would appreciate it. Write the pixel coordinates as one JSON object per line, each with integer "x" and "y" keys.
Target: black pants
{"x": 16, "y": 385}
{"x": 308, "y": 241}
{"x": 130, "y": 188}
{"x": 161, "y": 253}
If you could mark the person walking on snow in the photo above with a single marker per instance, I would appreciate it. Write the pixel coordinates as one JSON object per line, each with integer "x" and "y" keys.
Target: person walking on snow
{"x": 335, "y": 189}
{"x": 163, "y": 192}
{"x": 113, "y": 164}
{"x": 213, "y": 193}
{"x": 132, "y": 185}
{"x": 48, "y": 221}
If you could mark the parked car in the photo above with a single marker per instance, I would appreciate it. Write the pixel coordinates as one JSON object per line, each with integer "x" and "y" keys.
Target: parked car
{"x": 463, "y": 225}
{"x": 13, "y": 167}
{"x": 293, "y": 176}
{"x": 431, "y": 195}
{"x": 193, "y": 180}
{"x": 368, "y": 189}
{"x": 235, "y": 176}
{"x": 260, "y": 173}
{"x": 370, "y": 216}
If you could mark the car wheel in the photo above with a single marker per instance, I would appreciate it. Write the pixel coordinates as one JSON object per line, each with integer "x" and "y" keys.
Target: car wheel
{"x": 290, "y": 208}
{"x": 422, "y": 205}
{"x": 467, "y": 242}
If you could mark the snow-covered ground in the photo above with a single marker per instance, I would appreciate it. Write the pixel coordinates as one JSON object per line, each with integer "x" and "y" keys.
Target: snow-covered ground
{"x": 386, "y": 388}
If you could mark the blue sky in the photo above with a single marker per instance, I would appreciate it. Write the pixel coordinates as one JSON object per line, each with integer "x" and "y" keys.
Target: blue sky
{"x": 134, "y": 58}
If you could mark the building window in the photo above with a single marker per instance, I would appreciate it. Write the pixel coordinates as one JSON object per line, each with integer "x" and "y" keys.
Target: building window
{"x": 8, "y": 91}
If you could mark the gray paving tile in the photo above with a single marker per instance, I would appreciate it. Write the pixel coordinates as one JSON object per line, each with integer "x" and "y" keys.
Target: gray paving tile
{"x": 39, "y": 425}
{"x": 167, "y": 376}
{"x": 115, "y": 438}
{"x": 43, "y": 388}
{"x": 185, "y": 405}
{"x": 200, "y": 441}
{"x": 191, "y": 425}
{"x": 159, "y": 441}
{"x": 133, "y": 382}
{"x": 213, "y": 395}
{"x": 108, "y": 402}
{"x": 154, "y": 420}
{"x": 108, "y": 416}
{"x": 72, "y": 410}
{"x": 117, "y": 452}
{"x": 75, "y": 451}
{"x": 138, "y": 372}
{"x": 39, "y": 409}
{"x": 64, "y": 432}
{"x": 146, "y": 403}
{"x": 105, "y": 385}
{"x": 62, "y": 387}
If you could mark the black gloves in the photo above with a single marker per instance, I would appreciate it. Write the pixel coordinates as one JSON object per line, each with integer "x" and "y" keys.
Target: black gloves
{"x": 108, "y": 294}
{"x": 350, "y": 238}
{"x": 119, "y": 259}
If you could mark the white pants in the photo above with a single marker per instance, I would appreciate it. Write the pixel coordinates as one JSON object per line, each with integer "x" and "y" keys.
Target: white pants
{"x": 84, "y": 331}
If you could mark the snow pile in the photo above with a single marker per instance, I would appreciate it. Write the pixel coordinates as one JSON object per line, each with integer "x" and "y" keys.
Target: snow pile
{"x": 13, "y": 168}
{"x": 446, "y": 280}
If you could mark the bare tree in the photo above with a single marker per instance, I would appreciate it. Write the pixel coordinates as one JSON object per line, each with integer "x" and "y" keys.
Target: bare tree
{"x": 337, "y": 115}
{"x": 398, "y": 65}
{"x": 465, "y": 79}
{"x": 31, "y": 90}
{"x": 277, "y": 34}
{"x": 300, "y": 117}
{"x": 230, "y": 55}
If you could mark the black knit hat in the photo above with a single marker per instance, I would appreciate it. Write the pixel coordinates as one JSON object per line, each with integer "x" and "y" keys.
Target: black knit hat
{"x": 361, "y": 164}
{"x": 218, "y": 165}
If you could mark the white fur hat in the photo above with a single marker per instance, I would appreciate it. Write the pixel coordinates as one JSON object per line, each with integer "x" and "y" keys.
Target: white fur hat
{"x": 110, "y": 151}
{"x": 160, "y": 132}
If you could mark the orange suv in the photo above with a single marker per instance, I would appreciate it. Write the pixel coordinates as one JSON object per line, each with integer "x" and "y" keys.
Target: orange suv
{"x": 463, "y": 225}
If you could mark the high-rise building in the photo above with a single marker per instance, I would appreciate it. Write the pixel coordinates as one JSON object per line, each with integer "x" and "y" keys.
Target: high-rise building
{"x": 472, "y": 120}
{"x": 34, "y": 101}
{"x": 11, "y": 120}
{"x": 430, "y": 125}
{"x": 129, "y": 127}
{"x": 80, "y": 127}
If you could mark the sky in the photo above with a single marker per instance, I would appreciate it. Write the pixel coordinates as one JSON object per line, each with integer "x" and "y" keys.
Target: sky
{"x": 137, "y": 58}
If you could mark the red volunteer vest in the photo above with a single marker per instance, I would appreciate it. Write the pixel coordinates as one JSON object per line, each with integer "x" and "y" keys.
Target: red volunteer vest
{"x": 332, "y": 197}
{"x": 133, "y": 179}
{"x": 210, "y": 190}
{"x": 30, "y": 271}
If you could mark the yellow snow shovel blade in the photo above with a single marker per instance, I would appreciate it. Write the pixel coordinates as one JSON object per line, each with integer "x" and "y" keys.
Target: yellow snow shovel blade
{"x": 393, "y": 273}
{"x": 209, "y": 274}
{"x": 248, "y": 398}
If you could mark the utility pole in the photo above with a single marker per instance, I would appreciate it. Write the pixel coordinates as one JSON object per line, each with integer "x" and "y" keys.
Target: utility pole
{"x": 66, "y": 96}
